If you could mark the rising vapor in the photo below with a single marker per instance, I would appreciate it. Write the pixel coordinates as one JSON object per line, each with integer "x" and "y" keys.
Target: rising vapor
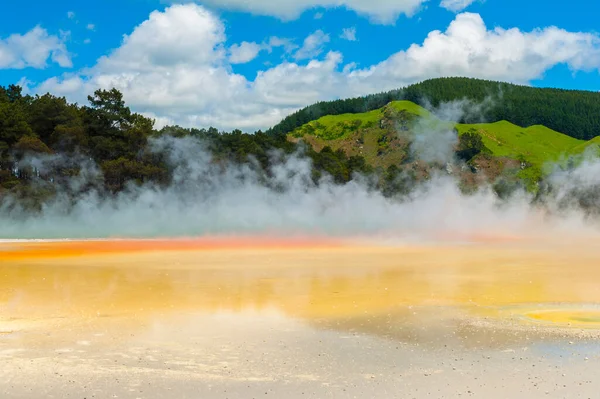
{"x": 206, "y": 197}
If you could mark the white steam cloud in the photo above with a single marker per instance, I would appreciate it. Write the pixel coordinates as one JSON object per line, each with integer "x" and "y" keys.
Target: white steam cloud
{"x": 207, "y": 198}
{"x": 204, "y": 199}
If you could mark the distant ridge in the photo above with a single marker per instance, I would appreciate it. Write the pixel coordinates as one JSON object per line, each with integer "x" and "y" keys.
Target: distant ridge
{"x": 575, "y": 113}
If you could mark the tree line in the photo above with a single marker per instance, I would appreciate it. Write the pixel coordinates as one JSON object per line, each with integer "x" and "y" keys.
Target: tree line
{"x": 107, "y": 134}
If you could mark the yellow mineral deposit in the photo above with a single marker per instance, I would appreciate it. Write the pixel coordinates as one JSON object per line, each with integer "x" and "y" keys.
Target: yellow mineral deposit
{"x": 491, "y": 317}
{"x": 542, "y": 283}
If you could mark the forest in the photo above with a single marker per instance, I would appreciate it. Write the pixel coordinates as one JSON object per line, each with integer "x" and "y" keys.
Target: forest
{"x": 108, "y": 134}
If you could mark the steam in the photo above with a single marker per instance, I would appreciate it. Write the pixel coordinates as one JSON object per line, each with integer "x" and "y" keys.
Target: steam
{"x": 575, "y": 189}
{"x": 435, "y": 139}
{"x": 208, "y": 198}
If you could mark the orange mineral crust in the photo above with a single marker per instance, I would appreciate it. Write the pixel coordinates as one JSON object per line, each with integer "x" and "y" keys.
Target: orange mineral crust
{"x": 31, "y": 250}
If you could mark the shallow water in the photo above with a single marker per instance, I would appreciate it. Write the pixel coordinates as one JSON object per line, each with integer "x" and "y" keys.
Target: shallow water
{"x": 209, "y": 307}
{"x": 300, "y": 279}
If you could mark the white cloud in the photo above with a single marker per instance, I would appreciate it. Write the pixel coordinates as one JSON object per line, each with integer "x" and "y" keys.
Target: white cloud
{"x": 313, "y": 45}
{"x": 468, "y": 48}
{"x": 87, "y": 41}
{"x": 91, "y": 27}
{"x": 70, "y": 15}
{"x": 182, "y": 35}
{"x": 456, "y": 5}
{"x": 378, "y": 11}
{"x": 175, "y": 67}
{"x": 33, "y": 49}
{"x": 318, "y": 15}
{"x": 349, "y": 34}
{"x": 244, "y": 52}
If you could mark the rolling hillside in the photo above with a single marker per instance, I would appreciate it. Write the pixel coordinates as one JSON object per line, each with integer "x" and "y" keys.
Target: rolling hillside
{"x": 386, "y": 137}
{"x": 575, "y": 113}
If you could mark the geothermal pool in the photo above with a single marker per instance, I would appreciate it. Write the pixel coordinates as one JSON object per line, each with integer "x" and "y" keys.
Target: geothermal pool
{"x": 299, "y": 318}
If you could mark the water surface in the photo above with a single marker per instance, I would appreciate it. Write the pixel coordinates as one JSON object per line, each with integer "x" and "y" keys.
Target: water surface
{"x": 307, "y": 314}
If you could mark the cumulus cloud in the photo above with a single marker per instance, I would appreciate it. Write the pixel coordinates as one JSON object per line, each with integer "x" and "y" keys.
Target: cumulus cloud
{"x": 456, "y": 5}
{"x": 91, "y": 27}
{"x": 182, "y": 35}
{"x": 34, "y": 49}
{"x": 349, "y": 34}
{"x": 176, "y": 67}
{"x": 468, "y": 48}
{"x": 378, "y": 11}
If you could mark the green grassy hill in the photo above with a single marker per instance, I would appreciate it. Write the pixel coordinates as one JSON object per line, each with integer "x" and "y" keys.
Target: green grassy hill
{"x": 575, "y": 113}
{"x": 384, "y": 137}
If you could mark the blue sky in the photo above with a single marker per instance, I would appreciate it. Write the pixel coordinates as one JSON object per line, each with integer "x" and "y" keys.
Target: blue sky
{"x": 182, "y": 66}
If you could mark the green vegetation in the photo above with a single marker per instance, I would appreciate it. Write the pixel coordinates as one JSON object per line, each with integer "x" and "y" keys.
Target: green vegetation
{"x": 384, "y": 136}
{"x": 331, "y": 127}
{"x": 107, "y": 133}
{"x": 502, "y": 150}
{"x": 574, "y": 113}
{"x": 469, "y": 145}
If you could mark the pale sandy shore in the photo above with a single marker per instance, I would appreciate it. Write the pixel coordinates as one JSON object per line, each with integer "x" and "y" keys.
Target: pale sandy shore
{"x": 253, "y": 355}
{"x": 487, "y": 321}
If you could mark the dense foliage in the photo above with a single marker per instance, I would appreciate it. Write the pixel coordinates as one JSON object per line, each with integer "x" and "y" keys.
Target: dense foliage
{"x": 45, "y": 141}
{"x": 575, "y": 113}
{"x": 469, "y": 145}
